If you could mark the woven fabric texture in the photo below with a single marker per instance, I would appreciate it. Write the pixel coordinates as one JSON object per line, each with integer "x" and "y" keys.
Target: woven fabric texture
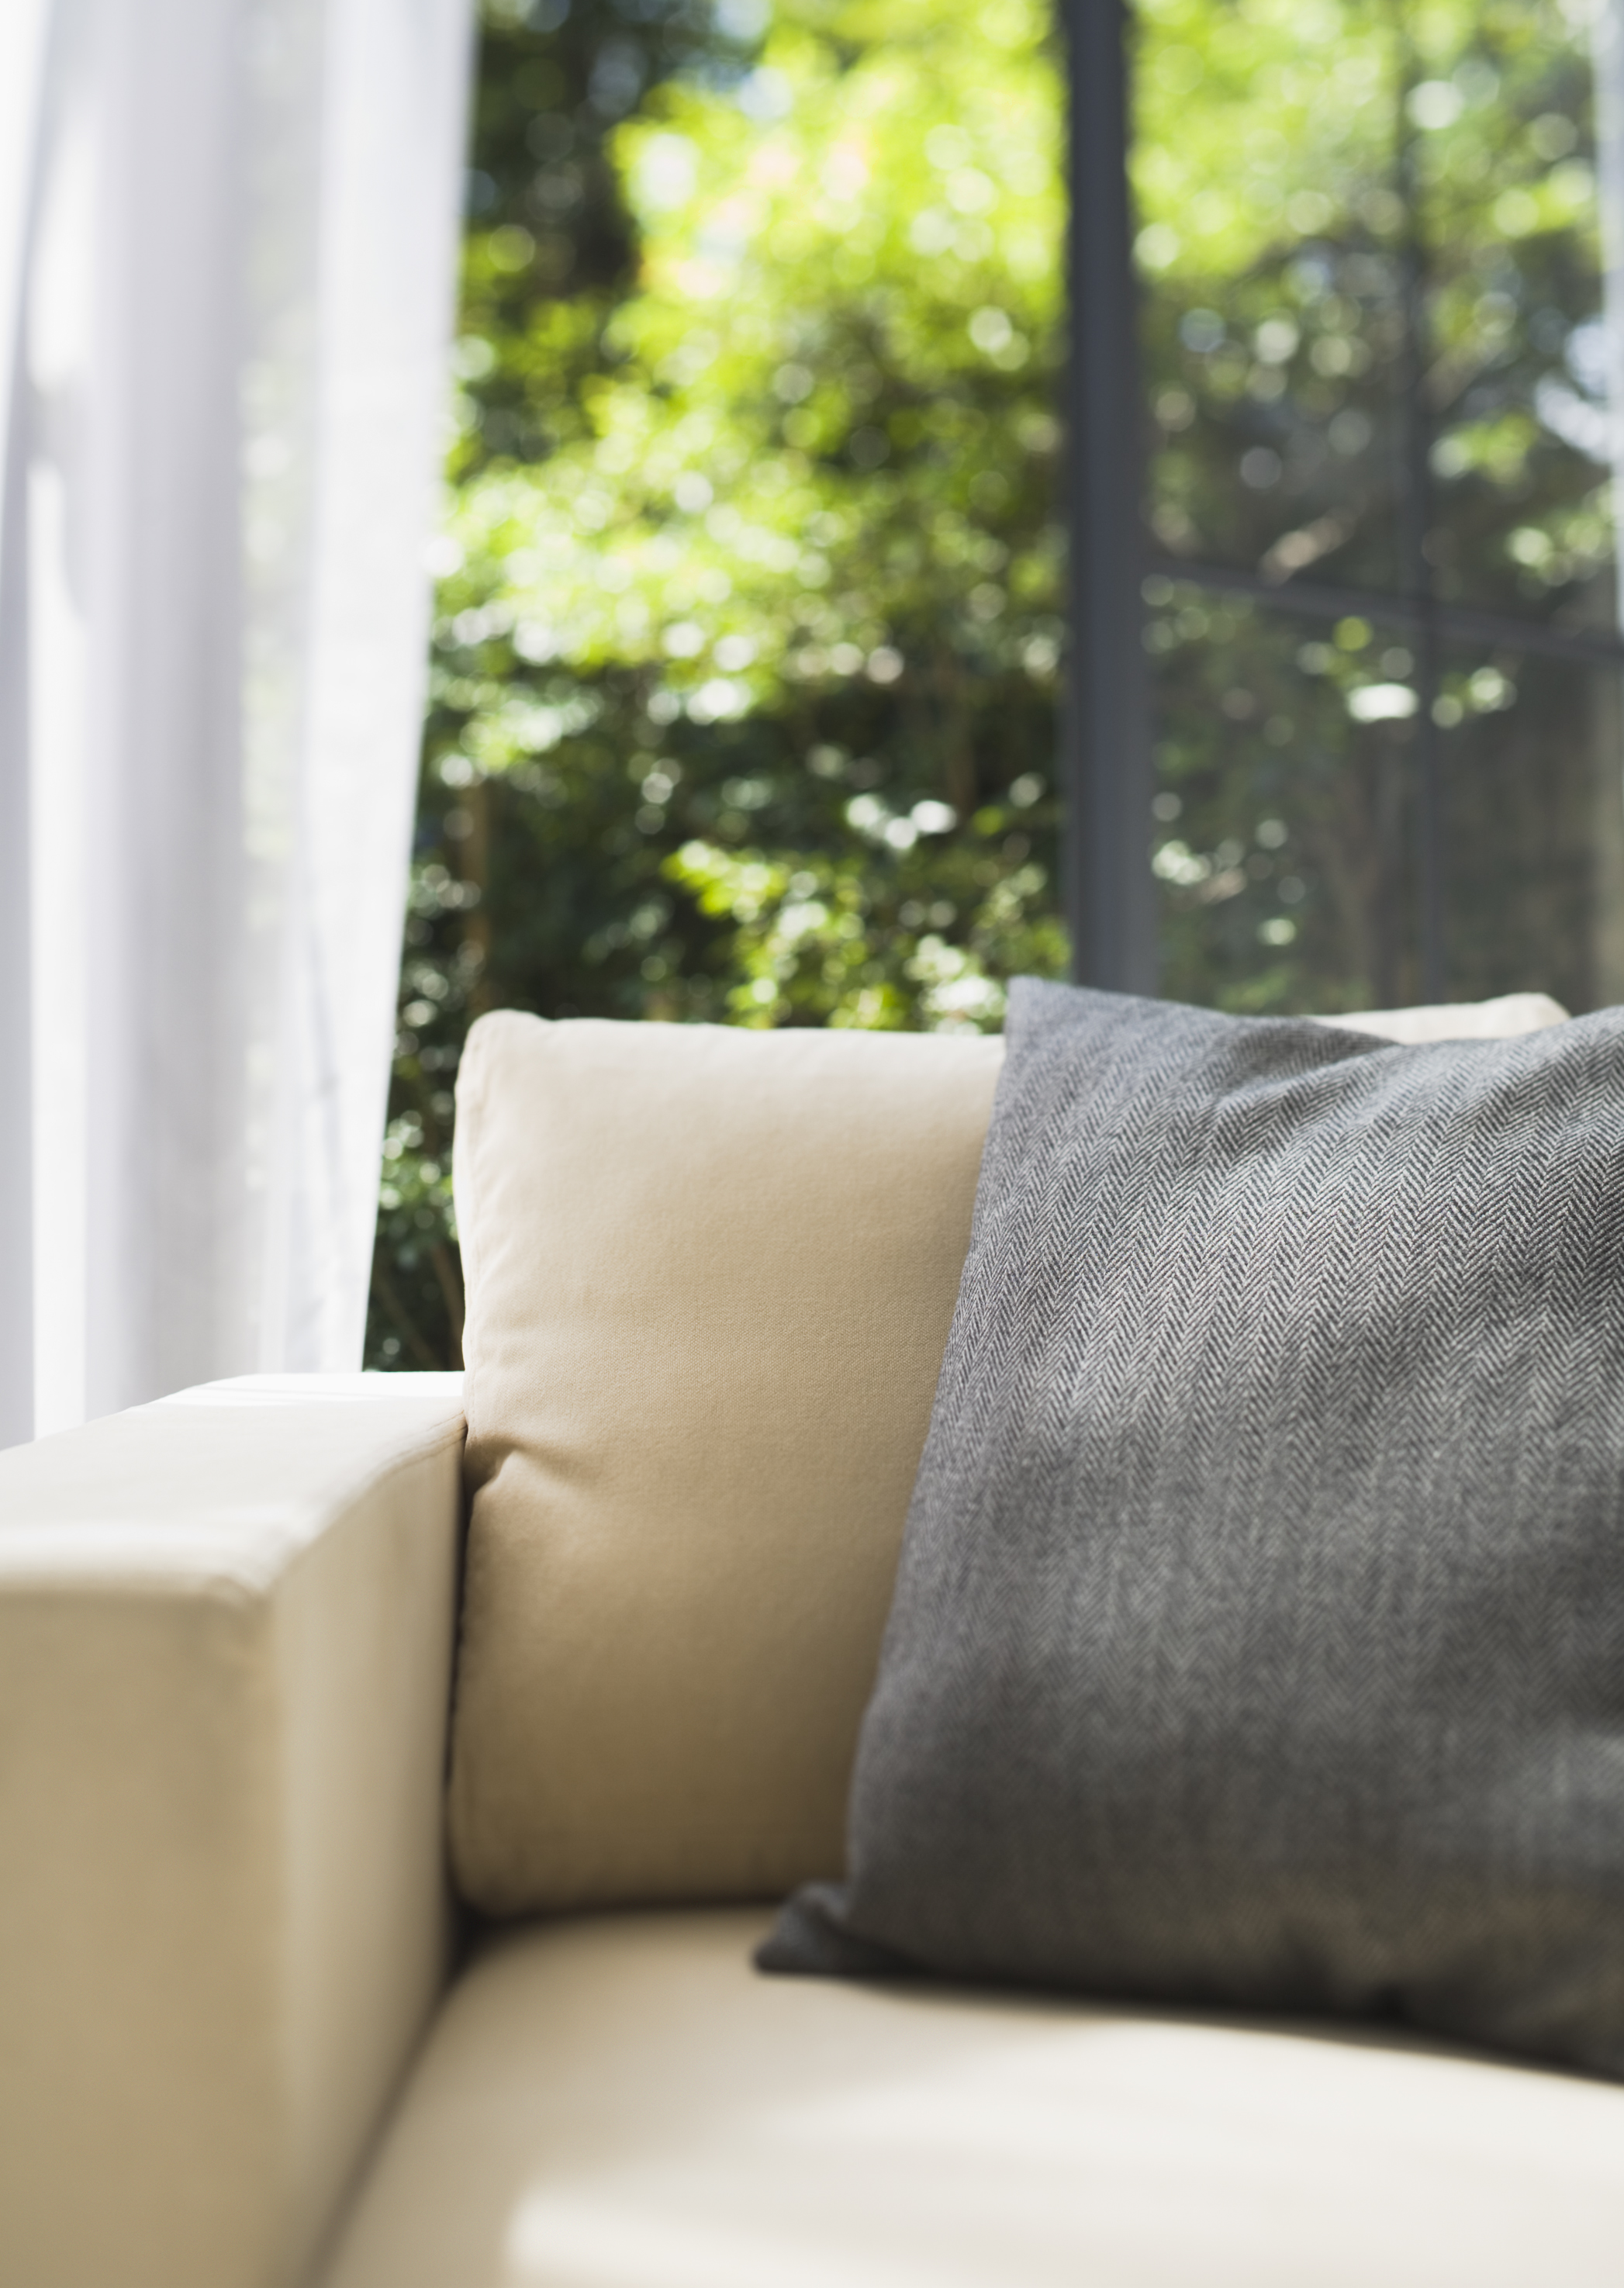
{"x": 1259, "y": 1633}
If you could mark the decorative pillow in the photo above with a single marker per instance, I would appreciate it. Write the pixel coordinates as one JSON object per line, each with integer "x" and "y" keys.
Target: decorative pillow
{"x": 1259, "y": 1633}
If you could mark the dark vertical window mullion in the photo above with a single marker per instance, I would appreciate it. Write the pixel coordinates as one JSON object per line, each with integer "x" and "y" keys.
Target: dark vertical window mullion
{"x": 1106, "y": 759}
{"x": 1414, "y": 522}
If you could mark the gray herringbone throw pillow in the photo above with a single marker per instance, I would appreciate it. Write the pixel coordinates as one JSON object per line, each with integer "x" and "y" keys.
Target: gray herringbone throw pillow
{"x": 1259, "y": 1634}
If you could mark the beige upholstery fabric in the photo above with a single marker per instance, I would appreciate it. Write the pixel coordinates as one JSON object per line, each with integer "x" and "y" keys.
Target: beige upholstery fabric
{"x": 225, "y": 1655}
{"x": 710, "y": 1276}
{"x": 624, "y": 2103}
{"x": 1458, "y": 1020}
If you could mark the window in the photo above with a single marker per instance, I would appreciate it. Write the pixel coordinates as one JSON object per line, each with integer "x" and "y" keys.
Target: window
{"x": 748, "y": 666}
{"x": 1378, "y": 577}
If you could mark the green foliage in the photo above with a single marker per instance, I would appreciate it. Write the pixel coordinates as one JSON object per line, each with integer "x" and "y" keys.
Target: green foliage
{"x": 744, "y": 675}
{"x": 1444, "y": 151}
{"x": 1351, "y": 214}
{"x": 743, "y": 688}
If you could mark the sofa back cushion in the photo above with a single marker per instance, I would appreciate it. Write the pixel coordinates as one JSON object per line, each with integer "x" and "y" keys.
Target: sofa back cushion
{"x": 710, "y": 1273}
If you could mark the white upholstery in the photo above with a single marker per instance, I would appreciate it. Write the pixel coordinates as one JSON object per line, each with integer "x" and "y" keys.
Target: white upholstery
{"x": 710, "y": 1273}
{"x": 225, "y": 1655}
{"x": 623, "y": 2102}
{"x": 1501, "y": 1020}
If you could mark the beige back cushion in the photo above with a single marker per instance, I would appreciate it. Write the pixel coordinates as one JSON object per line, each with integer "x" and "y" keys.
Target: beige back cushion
{"x": 709, "y": 1278}
{"x": 710, "y": 1273}
{"x": 1458, "y": 1020}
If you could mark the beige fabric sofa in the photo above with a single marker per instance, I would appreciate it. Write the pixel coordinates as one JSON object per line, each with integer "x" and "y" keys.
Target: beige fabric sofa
{"x": 245, "y": 2044}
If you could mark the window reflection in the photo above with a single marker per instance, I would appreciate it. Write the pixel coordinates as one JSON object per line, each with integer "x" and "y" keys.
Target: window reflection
{"x": 1376, "y": 343}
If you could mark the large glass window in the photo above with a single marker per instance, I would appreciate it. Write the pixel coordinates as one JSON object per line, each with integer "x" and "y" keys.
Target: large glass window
{"x": 750, "y": 624}
{"x": 1379, "y": 573}
{"x": 752, "y": 635}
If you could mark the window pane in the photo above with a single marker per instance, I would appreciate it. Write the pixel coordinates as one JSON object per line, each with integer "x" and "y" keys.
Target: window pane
{"x": 1271, "y": 254}
{"x": 1284, "y": 814}
{"x": 1534, "y": 828}
{"x": 1288, "y": 817}
{"x": 749, "y": 637}
{"x": 1379, "y": 376}
{"x": 1517, "y": 396}
{"x": 1293, "y": 171}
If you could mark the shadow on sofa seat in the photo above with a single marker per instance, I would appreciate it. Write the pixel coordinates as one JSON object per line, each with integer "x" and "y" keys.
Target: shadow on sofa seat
{"x": 622, "y": 2101}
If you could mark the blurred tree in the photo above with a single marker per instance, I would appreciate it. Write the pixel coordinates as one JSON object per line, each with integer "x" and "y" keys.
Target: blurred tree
{"x": 743, "y": 686}
{"x": 742, "y": 701}
{"x": 1374, "y": 360}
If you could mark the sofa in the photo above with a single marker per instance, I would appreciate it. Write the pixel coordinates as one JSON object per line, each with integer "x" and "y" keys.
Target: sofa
{"x": 279, "y": 2008}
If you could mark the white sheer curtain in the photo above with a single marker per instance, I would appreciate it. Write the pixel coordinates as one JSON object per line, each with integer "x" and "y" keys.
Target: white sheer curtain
{"x": 1607, "y": 51}
{"x": 227, "y": 234}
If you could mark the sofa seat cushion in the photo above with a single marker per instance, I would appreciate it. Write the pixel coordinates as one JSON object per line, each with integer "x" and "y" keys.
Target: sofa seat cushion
{"x": 622, "y": 2102}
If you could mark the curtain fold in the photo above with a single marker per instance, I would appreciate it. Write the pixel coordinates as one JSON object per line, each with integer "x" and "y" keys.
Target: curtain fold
{"x": 1607, "y": 58}
{"x": 227, "y": 237}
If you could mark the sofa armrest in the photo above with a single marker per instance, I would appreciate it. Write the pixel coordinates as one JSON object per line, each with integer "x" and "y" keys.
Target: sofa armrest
{"x": 226, "y": 1640}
